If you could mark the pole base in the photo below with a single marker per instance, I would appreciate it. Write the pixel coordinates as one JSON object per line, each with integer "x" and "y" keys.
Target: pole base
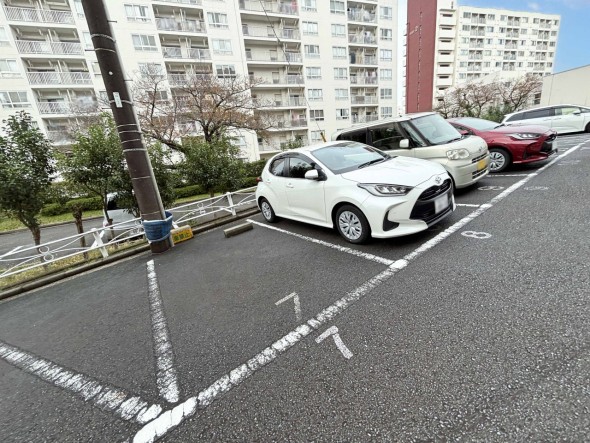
{"x": 158, "y": 247}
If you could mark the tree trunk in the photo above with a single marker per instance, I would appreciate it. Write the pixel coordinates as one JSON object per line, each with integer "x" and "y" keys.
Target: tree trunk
{"x": 77, "y": 213}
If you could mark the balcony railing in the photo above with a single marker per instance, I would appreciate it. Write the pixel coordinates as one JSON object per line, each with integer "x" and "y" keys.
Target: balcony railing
{"x": 362, "y": 38}
{"x": 267, "y": 56}
{"x": 364, "y": 118}
{"x": 184, "y": 79}
{"x": 362, "y": 16}
{"x": 59, "y": 78}
{"x": 284, "y": 102}
{"x": 294, "y": 123}
{"x": 44, "y": 47}
{"x": 59, "y": 136}
{"x": 282, "y": 80}
{"x": 364, "y": 100}
{"x": 186, "y": 53}
{"x": 38, "y": 15}
{"x": 171, "y": 24}
{"x": 288, "y": 8}
{"x": 363, "y": 80}
{"x": 267, "y": 32}
{"x": 363, "y": 60}
{"x": 184, "y": 2}
{"x": 55, "y": 107}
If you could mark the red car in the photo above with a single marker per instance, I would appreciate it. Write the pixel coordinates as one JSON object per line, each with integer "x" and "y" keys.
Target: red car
{"x": 509, "y": 144}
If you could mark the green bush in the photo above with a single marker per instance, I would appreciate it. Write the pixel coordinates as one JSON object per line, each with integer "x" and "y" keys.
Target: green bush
{"x": 250, "y": 181}
{"x": 85, "y": 204}
{"x": 188, "y": 191}
{"x": 254, "y": 169}
{"x": 53, "y": 209}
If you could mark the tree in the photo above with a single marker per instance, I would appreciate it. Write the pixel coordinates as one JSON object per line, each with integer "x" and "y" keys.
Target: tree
{"x": 96, "y": 162}
{"x": 215, "y": 166}
{"x": 203, "y": 105}
{"x": 518, "y": 94}
{"x": 26, "y": 167}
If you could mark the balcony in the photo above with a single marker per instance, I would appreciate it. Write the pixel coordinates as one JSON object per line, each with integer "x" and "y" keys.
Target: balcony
{"x": 267, "y": 32}
{"x": 364, "y": 118}
{"x": 186, "y": 53}
{"x": 38, "y": 15}
{"x": 60, "y": 137}
{"x": 273, "y": 56}
{"x": 362, "y": 16}
{"x": 45, "y": 47}
{"x": 287, "y": 8}
{"x": 281, "y": 81}
{"x": 363, "y": 59}
{"x": 368, "y": 39}
{"x": 185, "y": 79}
{"x": 297, "y": 102}
{"x": 364, "y": 99}
{"x": 476, "y": 45}
{"x": 363, "y": 80}
{"x": 290, "y": 124}
{"x": 171, "y": 24}
{"x": 59, "y": 78}
{"x": 184, "y": 2}
{"x": 64, "y": 107}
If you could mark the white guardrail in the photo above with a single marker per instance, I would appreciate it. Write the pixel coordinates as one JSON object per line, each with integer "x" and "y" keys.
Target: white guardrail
{"x": 109, "y": 240}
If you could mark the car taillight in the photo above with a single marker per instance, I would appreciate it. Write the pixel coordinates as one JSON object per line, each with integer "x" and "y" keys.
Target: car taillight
{"x": 258, "y": 179}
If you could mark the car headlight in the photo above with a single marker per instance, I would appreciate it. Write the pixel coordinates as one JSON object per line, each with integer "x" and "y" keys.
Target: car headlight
{"x": 457, "y": 154}
{"x": 382, "y": 190}
{"x": 525, "y": 136}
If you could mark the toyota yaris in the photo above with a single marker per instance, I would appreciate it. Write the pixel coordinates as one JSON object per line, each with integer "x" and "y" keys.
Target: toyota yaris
{"x": 359, "y": 190}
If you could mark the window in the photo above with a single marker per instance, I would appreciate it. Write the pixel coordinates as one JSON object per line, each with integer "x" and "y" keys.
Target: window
{"x": 386, "y": 93}
{"x": 340, "y": 73}
{"x": 142, "y": 42}
{"x": 298, "y": 166}
{"x": 489, "y": 29}
{"x": 312, "y": 51}
{"x": 386, "y": 111}
{"x": 313, "y": 73}
{"x": 226, "y": 71}
{"x": 277, "y": 167}
{"x": 87, "y": 41}
{"x": 386, "y": 34}
{"x": 386, "y": 137}
{"x": 310, "y": 28}
{"x": 3, "y": 37}
{"x": 336, "y": 7}
{"x": 502, "y": 18}
{"x": 341, "y": 94}
{"x": 491, "y": 16}
{"x": 338, "y": 31}
{"x": 79, "y": 9}
{"x": 316, "y": 95}
{"x": 386, "y": 12}
{"x": 536, "y": 21}
{"x": 16, "y": 99}
{"x": 489, "y": 41}
{"x": 310, "y": 5}
{"x": 538, "y": 114}
{"x": 137, "y": 13}
{"x": 487, "y": 52}
{"x": 316, "y": 115}
{"x": 467, "y": 15}
{"x": 386, "y": 54}
{"x": 342, "y": 114}
{"x": 8, "y": 68}
{"x": 316, "y": 137}
{"x": 151, "y": 69}
{"x": 217, "y": 20}
{"x": 221, "y": 46}
{"x": 386, "y": 74}
{"x": 465, "y": 27}
{"x": 338, "y": 51}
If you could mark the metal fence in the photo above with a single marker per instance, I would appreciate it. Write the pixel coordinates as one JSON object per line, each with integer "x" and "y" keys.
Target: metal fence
{"x": 112, "y": 239}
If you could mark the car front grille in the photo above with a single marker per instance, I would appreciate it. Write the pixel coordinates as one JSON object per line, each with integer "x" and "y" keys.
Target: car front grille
{"x": 481, "y": 157}
{"x": 435, "y": 191}
{"x": 424, "y": 208}
{"x": 479, "y": 173}
{"x": 548, "y": 144}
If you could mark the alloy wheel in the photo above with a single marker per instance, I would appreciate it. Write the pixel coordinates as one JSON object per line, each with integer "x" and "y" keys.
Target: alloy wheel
{"x": 350, "y": 225}
{"x": 497, "y": 161}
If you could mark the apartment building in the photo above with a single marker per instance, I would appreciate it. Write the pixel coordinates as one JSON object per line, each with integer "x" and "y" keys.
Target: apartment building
{"x": 324, "y": 64}
{"x": 448, "y": 45}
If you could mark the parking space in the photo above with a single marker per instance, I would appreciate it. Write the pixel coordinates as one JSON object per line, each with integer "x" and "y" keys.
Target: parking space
{"x": 211, "y": 313}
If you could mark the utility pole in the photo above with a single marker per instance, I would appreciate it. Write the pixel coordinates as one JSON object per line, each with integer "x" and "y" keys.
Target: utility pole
{"x": 134, "y": 149}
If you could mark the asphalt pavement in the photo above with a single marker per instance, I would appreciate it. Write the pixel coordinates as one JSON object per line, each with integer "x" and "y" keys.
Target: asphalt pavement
{"x": 476, "y": 330}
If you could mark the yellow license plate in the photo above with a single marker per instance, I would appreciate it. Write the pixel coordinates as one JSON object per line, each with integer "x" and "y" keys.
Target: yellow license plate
{"x": 482, "y": 164}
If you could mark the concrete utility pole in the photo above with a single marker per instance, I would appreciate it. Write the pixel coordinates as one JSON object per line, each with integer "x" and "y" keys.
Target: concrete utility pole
{"x": 136, "y": 155}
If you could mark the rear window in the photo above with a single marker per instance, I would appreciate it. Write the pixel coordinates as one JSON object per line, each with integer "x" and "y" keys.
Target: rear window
{"x": 515, "y": 117}
{"x": 277, "y": 167}
{"x": 538, "y": 113}
{"x": 359, "y": 135}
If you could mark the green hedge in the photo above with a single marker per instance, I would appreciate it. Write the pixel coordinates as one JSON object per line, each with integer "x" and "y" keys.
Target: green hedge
{"x": 250, "y": 181}
{"x": 188, "y": 191}
{"x": 86, "y": 204}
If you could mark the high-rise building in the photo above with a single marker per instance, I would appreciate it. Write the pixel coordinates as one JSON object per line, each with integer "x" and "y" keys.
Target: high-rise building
{"x": 325, "y": 64}
{"x": 448, "y": 45}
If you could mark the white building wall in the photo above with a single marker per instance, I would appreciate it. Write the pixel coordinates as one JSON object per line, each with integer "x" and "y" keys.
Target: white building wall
{"x": 568, "y": 87}
{"x": 170, "y": 25}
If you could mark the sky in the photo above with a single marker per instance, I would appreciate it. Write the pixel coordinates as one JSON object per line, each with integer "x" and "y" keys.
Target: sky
{"x": 573, "y": 44}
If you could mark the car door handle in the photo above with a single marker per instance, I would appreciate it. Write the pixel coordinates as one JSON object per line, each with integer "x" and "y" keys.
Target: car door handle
{"x": 290, "y": 185}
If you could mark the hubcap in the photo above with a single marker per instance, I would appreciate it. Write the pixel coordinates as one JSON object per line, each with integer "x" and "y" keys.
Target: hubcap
{"x": 266, "y": 211}
{"x": 497, "y": 161}
{"x": 350, "y": 225}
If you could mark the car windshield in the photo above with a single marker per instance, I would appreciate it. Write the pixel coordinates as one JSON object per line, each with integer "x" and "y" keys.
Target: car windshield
{"x": 435, "y": 129}
{"x": 348, "y": 156}
{"x": 478, "y": 123}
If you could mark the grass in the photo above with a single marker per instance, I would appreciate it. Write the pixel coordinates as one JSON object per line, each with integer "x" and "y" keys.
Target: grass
{"x": 9, "y": 224}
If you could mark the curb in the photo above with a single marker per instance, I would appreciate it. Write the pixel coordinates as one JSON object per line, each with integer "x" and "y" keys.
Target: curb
{"x": 43, "y": 281}
{"x": 48, "y": 225}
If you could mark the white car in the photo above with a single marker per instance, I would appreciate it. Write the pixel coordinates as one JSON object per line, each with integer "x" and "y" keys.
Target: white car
{"x": 561, "y": 118}
{"x": 361, "y": 191}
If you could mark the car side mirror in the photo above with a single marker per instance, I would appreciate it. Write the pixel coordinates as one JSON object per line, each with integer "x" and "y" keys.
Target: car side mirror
{"x": 404, "y": 143}
{"x": 576, "y": 113}
{"x": 312, "y": 175}
{"x": 464, "y": 132}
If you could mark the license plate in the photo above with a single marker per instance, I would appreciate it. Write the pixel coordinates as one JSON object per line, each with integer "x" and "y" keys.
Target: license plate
{"x": 482, "y": 164}
{"x": 441, "y": 203}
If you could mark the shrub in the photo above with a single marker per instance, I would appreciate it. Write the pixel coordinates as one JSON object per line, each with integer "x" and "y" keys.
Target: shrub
{"x": 53, "y": 209}
{"x": 84, "y": 204}
{"x": 254, "y": 169}
{"x": 188, "y": 191}
{"x": 250, "y": 181}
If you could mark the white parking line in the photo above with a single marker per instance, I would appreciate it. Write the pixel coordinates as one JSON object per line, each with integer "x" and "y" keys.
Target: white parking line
{"x": 107, "y": 398}
{"x": 507, "y": 175}
{"x": 166, "y": 376}
{"x": 371, "y": 257}
{"x": 172, "y": 418}
{"x": 469, "y": 205}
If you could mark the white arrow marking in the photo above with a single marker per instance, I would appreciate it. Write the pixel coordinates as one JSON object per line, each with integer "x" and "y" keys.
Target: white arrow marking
{"x": 295, "y": 298}
{"x": 333, "y": 331}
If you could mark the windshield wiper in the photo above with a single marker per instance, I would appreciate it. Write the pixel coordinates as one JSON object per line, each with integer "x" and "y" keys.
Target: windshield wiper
{"x": 372, "y": 162}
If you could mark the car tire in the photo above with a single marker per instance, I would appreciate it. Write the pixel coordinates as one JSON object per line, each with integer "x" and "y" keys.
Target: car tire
{"x": 352, "y": 224}
{"x": 499, "y": 159}
{"x": 267, "y": 211}
{"x": 587, "y": 129}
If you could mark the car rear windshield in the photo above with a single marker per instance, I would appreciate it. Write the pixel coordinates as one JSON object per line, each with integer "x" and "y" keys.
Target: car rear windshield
{"x": 348, "y": 156}
{"x": 477, "y": 123}
{"x": 435, "y": 129}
